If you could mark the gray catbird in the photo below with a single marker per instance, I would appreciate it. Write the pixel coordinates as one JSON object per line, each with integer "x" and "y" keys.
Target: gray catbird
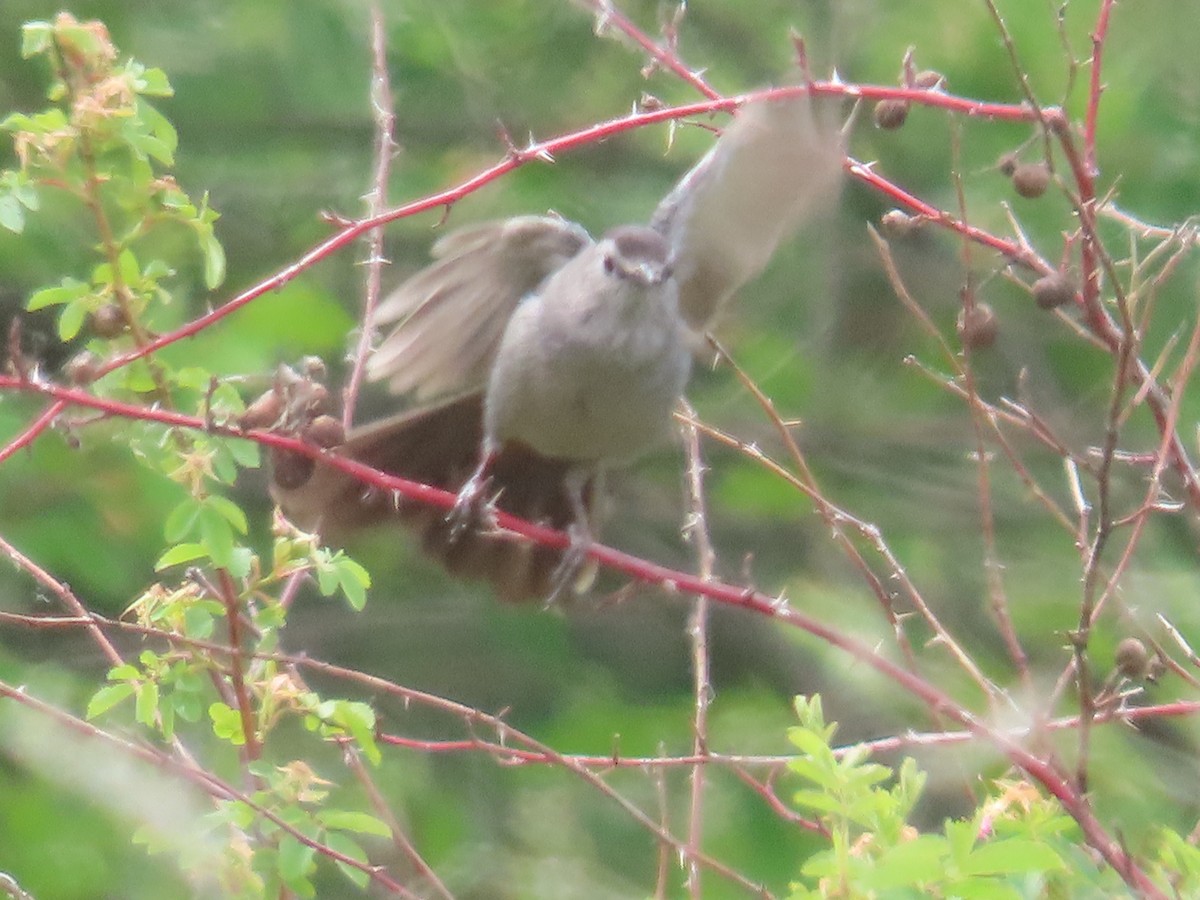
{"x": 562, "y": 356}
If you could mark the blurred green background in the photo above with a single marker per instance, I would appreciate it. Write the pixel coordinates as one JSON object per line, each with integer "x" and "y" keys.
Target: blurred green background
{"x": 271, "y": 107}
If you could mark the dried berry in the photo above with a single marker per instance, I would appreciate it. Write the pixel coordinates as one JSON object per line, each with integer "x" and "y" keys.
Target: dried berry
{"x": 264, "y": 412}
{"x": 1007, "y": 164}
{"x": 1132, "y": 658}
{"x": 896, "y": 223}
{"x": 890, "y": 114}
{"x": 325, "y": 431}
{"x": 82, "y": 368}
{"x": 1054, "y": 290}
{"x": 977, "y": 328}
{"x": 929, "y": 80}
{"x": 1031, "y": 179}
{"x": 107, "y": 322}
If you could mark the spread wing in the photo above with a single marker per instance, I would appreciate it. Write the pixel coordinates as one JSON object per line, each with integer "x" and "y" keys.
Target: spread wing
{"x": 776, "y": 165}
{"x": 451, "y": 315}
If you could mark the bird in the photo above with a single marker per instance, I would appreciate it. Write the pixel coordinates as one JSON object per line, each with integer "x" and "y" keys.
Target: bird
{"x": 538, "y": 358}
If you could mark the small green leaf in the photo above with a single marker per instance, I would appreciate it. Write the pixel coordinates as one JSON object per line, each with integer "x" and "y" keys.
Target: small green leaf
{"x": 147, "y": 703}
{"x": 69, "y": 289}
{"x": 127, "y": 264}
{"x": 295, "y": 862}
{"x": 108, "y": 697}
{"x": 12, "y": 214}
{"x": 216, "y": 536}
{"x": 227, "y": 724}
{"x": 230, "y": 511}
{"x": 124, "y": 672}
{"x": 349, "y": 847}
{"x": 152, "y": 82}
{"x": 181, "y": 520}
{"x": 36, "y": 37}
{"x": 358, "y": 822}
{"x": 1010, "y": 857}
{"x": 214, "y": 259}
{"x": 71, "y": 320}
{"x": 198, "y": 622}
{"x": 180, "y": 554}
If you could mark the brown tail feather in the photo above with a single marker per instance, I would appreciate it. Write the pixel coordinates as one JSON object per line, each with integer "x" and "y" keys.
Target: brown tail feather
{"x": 439, "y": 446}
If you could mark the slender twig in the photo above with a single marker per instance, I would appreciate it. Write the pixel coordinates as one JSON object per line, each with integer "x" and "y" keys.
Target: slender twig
{"x": 696, "y": 531}
{"x": 385, "y": 148}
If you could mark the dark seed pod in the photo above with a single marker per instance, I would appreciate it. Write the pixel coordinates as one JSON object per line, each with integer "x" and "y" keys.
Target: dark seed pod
{"x": 929, "y": 80}
{"x": 108, "y": 321}
{"x": 977, "y": 328}
{"x": 82, "y": 368}
{"x": 264, "y": 412}
{"x": 290, "y": 470}
{"x": 1007, "y": 164}
{"x": 1133, "y": 659}
{"x": 896, "y": 223}
{"x": 890, "y": 114}
{"x": 1031, "y": 179}
{"x": 325, "y": 431}
{"x": 1054, "y": 290}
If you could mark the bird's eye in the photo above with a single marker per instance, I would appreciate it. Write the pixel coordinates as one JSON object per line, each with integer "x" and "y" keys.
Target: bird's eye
{"x": 610, "y": 264}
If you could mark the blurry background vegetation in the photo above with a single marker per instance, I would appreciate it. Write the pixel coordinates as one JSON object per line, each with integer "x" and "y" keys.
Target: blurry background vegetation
{"x": 274, "y": 123}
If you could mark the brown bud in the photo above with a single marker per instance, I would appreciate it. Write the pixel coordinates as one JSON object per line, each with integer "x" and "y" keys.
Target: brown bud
{"x": 290, "y": 470}
{"x": 1132, "y": 658}
{"x": 1054, "y": 290}
{"x": 82, "y": 368}
{"x": 264, "y": 412}
{"x": 1031, "y": 179}
{"x": 890, "y": 114}
{"x": 896, "y": 223}
{"x": 978, "y": 327}
{"x": 108, "y": 321}
{"x": 325, "y": 431}
{"x": 929, "y": 80}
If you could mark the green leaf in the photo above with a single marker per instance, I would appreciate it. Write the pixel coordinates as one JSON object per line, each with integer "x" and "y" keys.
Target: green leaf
{"x": 358, "y": 822}
{"x": 227, "y": 723}
{"x": 180, "y": 554}
{"x": 1011, "y": 856}
{"x": 124, "y": 672}
{"x": 147, "y": 703}
{"x": 247, "y": 454}
{"x": 216, "y": 536}
{"x": 214, "y": 259}
{"x": 69, "y": 289}
{"x": 241, "y": 562}
{"x": 71, "y": 320}
{"x": 127, "y": 265}
{"x": 12, "y": 214}
{"x": 108, "y": 697}
{"x": 152, "y": 82}
{"x": 36, "y": 37}
{"x": 295, "y": 863}
{"x": 198, "y": 622}
{"x": 354, "y": 580}
{"x": 230, "y": 511}
{"x": 349, "y": 847}
{"x": 182, "y": 519}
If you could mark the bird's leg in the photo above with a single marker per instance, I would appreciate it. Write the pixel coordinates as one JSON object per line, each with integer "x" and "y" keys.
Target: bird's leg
{"x": 576, "y": 572}
{"x": 471, "y": 507}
